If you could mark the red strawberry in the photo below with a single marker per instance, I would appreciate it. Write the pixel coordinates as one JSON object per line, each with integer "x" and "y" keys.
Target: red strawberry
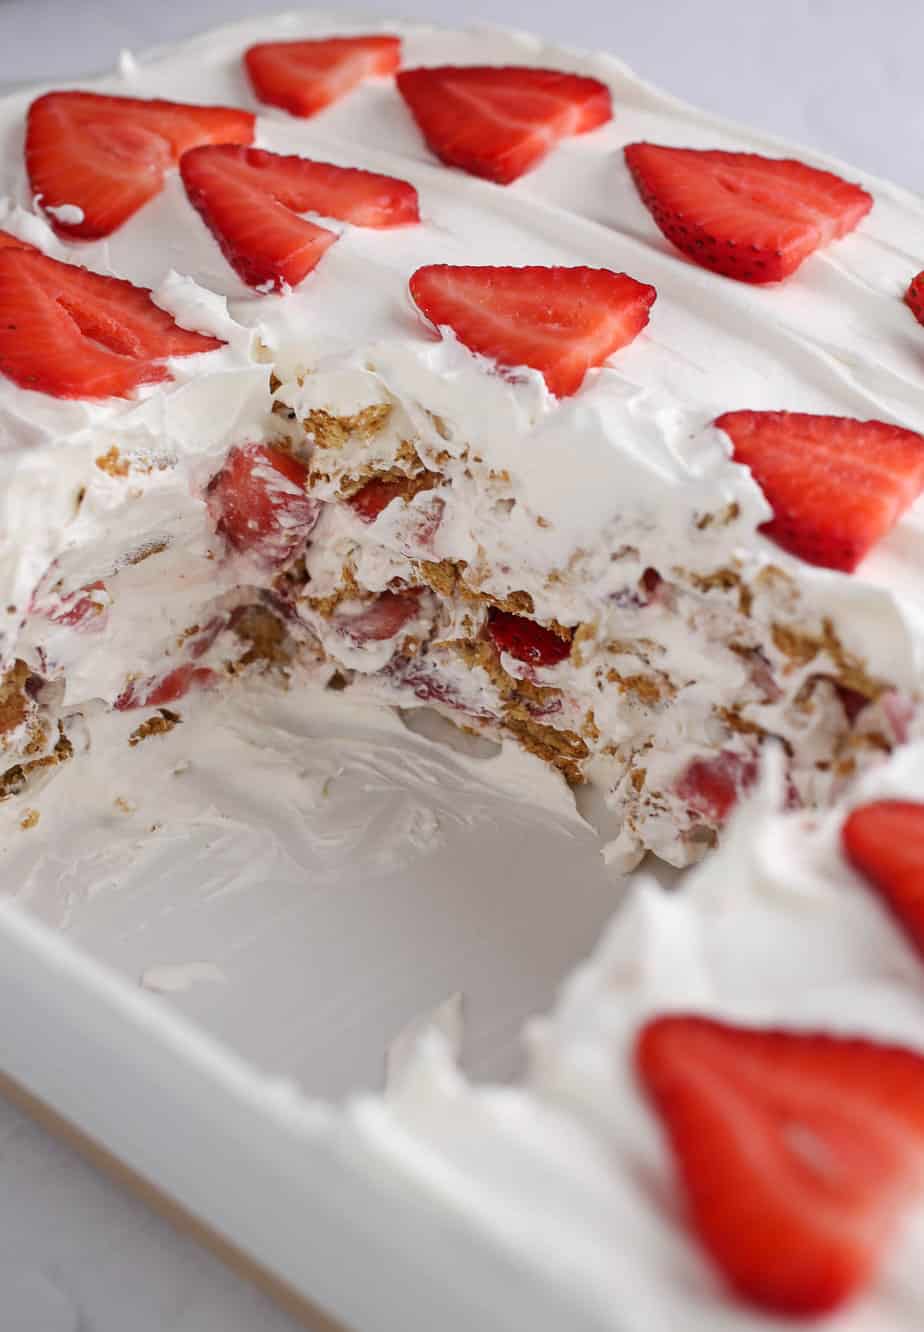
{"x": 836, "y": 486}
{"x": 914, "y": 297}
{"x": 525, "y": 639}
{"x": 748, "y": 217}
{"x": 885, "y": 842}
{"x": 76, "y": 334}
{"x": 202, "y": 640}
{"x": 421, "y": 677}
{"x": 304, "y": 77}
{"x": 258, "y": 502}
{"x": 249, "y": 199}
{"x": 499, "y": 122}
{"x": 108, "y": 155}
{"x": 80, "y": 610}
{"x": 797, "y": 1152}
{"x": 560, "y": 321}
{"x": 383, "y": 618}
{"x": 9, "y": 242}
{"x": 157, "y": 691}
{"x": 711, "y": 787}
{"x": 375, "y": 496}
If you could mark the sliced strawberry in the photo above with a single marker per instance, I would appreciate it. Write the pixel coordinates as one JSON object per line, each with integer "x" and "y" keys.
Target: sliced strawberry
{"x": 383, "y": 618}
{"x": 885, "y": 842}
{"x": 797, "y": 1152}
{"x": 852, "y": 701}
{"x": 711, "y": 787}
{"x": 914, "y": 297}
{"x": 748, "y": 217}
{"x": 421, "y": 677}
{"x": 499, "y": 122}
{"x": 525, "y": 639}
{"x": 836, "y": 486}
{"x": 250, "y": 198}
{"x": 375, "y": 496}
{"x": 156, "y": 691}
{"x": 81, "y": 610}
{"x": 258, "y": 502}
{"x": 559, "y": 321}
{"x": 203, "y": 638}
{"x": 10, "y": 242}
{"x": 428, "y": 518}
{"x": 304, "y": 77}
{"x": 107, "y": 155}
{"x": 76, "y": 334}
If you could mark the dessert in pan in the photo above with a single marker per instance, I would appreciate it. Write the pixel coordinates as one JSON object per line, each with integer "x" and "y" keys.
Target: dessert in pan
{"x": 458, "y": 372}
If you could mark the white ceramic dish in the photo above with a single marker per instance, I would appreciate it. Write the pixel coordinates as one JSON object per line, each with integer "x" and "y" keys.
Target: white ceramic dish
{"x": 401, "y": 874}
{"x": 445, "y": 886}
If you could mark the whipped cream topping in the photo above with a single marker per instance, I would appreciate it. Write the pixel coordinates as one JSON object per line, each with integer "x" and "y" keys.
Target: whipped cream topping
{"x": 570, "y": 1169}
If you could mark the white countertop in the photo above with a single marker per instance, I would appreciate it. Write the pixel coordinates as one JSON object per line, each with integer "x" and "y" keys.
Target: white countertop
{"x": 76, "y": 1255}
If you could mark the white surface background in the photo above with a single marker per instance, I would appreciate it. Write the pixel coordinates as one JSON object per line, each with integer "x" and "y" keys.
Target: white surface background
{"x": 842, "y": 75}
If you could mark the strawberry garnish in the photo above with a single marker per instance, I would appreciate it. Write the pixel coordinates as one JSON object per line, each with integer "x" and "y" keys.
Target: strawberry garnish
{"x": 525, "y": 639}
{"x": 499, "y": 122}
{"x": 382, "y": 618}
{"x": 107, "y": 155}
{"x": 797, "y": 1152}
{"x": 711, "y": 787}
{"x": 11, "y": 242}
{"x": 258, "y": 502}
{"x": 914, "y": 297}
{"x": 250, "y": 198}
{"x": 836, "y": 486}
{"x": 748, "y": 217}
{"x": 76, "y": 334}
{"x": 304, "y": 77}
{"x": 885, "y": 842}
{"x": 156, "y": 691}
{"x": 559, "y": 321}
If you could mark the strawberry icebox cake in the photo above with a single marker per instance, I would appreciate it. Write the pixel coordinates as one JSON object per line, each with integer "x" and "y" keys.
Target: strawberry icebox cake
{"x": 452, "y": 370}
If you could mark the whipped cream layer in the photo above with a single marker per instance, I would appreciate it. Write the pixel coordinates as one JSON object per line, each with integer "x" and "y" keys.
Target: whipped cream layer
{"x": 630, "y": 463}
{"x": 571, "y": 1170}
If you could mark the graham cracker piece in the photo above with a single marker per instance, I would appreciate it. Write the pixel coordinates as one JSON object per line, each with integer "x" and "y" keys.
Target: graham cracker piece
{"x": 333, "y": 432}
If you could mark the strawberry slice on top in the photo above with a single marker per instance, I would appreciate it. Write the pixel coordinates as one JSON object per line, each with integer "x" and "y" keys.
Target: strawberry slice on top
{"x": 499, "y": 122}
{"x": 884, "y": 841}
{"x": 303, "y": 77}
{"x": 836, "y": 486}
{"x": 559, "y": 321}
{"x": 747, "y": 217}
{"x": 11, "y": 242}
{"x": 797, "y": 1152}
{"x": 75, "y": 334}
{"x": 107, "y": 155}
{"x": 914, "y": 297}
{"x": 250, "y": 200}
